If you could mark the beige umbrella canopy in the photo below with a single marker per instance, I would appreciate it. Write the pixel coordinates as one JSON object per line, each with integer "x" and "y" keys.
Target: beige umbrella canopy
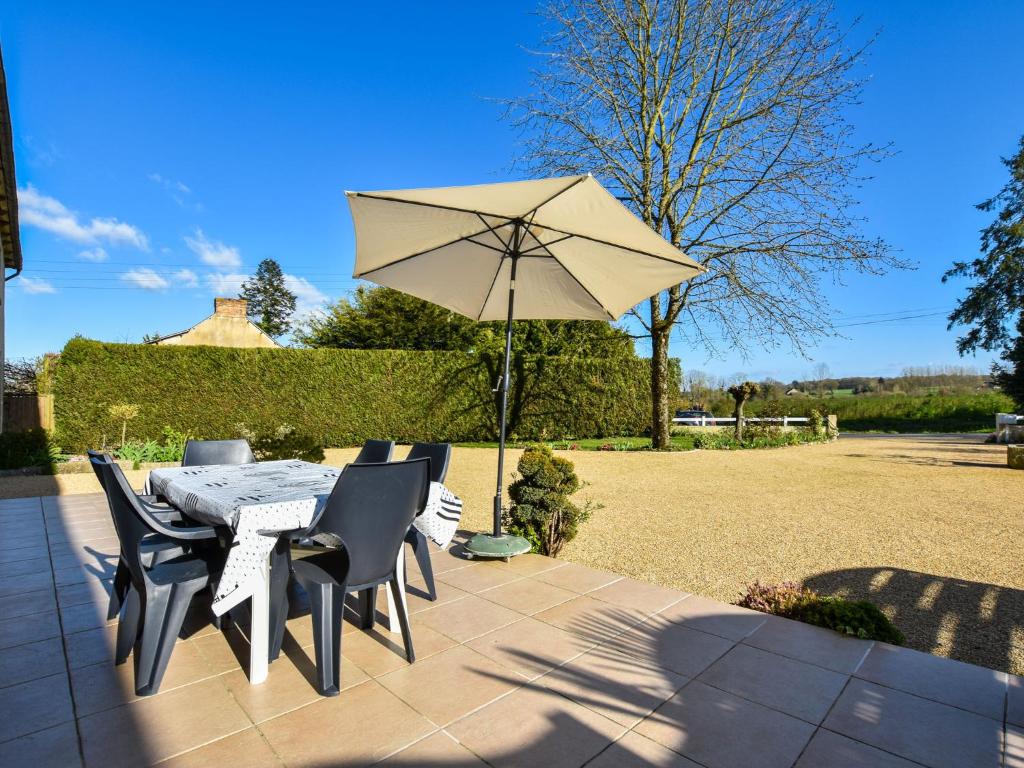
{"x": 561, "y": 248}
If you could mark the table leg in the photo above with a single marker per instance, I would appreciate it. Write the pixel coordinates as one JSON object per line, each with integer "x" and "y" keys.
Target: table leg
{"x": 259, "y": 607}
{"x": 393, "y": 624}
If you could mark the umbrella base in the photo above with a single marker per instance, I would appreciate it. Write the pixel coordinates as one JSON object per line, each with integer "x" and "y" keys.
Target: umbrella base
{"x": 504, "y": 546}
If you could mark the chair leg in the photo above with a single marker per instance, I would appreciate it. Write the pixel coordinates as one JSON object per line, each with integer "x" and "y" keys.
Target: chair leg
{"x": 164, "y": 613}
{"x": 327, "y": 606}
{"x": 403, "y": 618}
{"x": 368, "y": 607}
{"x": 422, "y": 552}
{"x": 128, "y": 626}
{"x": 122, "y": 583}
{"x": 280, "y": 574}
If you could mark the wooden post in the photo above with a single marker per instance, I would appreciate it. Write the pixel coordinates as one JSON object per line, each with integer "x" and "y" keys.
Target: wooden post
{"x": 1015, "y": 456}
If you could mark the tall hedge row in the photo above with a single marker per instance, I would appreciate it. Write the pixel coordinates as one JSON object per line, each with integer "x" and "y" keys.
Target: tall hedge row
{"x": 340, "y": 397}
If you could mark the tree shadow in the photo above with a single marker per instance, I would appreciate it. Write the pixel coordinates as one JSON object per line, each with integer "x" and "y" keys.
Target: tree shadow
{"x": 966, "y": 620}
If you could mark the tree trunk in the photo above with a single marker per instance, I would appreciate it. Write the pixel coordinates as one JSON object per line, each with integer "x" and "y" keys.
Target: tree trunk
{"x": 739, "y": 420}
{"x": 659, "y": 388}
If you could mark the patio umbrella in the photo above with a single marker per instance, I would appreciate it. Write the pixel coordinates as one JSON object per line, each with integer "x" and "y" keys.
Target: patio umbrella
{"x": 548, "y": 249}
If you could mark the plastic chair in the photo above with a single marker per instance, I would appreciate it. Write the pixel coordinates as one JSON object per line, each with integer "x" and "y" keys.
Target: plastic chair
{"x": 154, "y": 549}
{"x": 375, "y": 452}
{"x": 205, "y": 452}
{"x": 156, "y": 605}
{"x": 366, "y": 517}
{"x": 440, "y": 455}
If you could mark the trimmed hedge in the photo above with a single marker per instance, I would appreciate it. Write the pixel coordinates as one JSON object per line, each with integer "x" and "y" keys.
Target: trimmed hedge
{"x": 339, "y": 397}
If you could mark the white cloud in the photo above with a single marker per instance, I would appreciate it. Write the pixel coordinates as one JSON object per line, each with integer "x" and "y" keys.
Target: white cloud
{"x": 170, "y": 184}
{"x": 213, "y": 252}
{"x": 48, "y": 213}
{"x": 93, "y": 254}
{"x": 186, "y": 278}
{"x": 146, "y": 278}
{"x": 36, "y": 285}
{"x": 225, "y": 284}
{"x": 308, "y": 298}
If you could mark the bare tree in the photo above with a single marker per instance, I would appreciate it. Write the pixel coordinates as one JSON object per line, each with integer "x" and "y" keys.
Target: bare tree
{"x": 721, "y": 123}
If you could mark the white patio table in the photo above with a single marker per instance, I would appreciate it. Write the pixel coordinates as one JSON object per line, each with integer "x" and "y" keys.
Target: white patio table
{"x": 257, "y": 502}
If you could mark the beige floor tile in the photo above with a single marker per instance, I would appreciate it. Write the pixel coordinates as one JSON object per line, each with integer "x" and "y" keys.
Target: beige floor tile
{"x": 617, "y": 686}
{"x": 465, "y": 619}
{"x": 92, "y": 646}
{"x": 672, "y": 646}
{"x": 26, "y": 551}
{"x": 246, "y": 747}
{"x": 720, "y": 730}
{"x": 416, "y": 595}
{"x": 1015, "y": 700}
{"x": 450, "y": 684}
{"x": 224, "y": 651}
{"x": 529, "y": 564}
{"x": 437, "y": 750}
{"x": 477, "y": 578}
{"x": 34, "y": 705}
{"x": 84, "y": 616}
{"x": 630, "y": 593}
{"x": 1013, "y": 755}
{"x": 918, "y": 729}
{"x": 380, "y": 651}
{"x": 830, "y": 750}
{"x": 31, "y": 661}
{"x": 92, "y": 591}
{"x": 951, "y": 682}
{"x": 577, "y": 578}
{"x": 591, "y": 619}
{"x": 56, "y": 746}
{"x": 528, "y": 596}
{"x": 790, "y": 686}
{"x": 27, "y": 629}
{"x": 635, "y": 751}
{"x": 290, "y": 684}
{"x": 530, "y": 647}
{"x": 442, "y": 562}
{"x": 362, "y": 725}
{"x": 535, "y": 727}
{"x": 27, "y": 603}
{"x": 712, "y": 616}
{"x": 26, "y": 582}
{"x": 815, "y": 645}
{"x": 103, "y": 686}
{"x": 161, "y": 726}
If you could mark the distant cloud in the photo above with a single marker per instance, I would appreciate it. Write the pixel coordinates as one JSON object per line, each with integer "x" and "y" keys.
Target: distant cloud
{"x": 36, "y": 285}
{"x": 48, "y": 213}
{"x": 308, "y": 298}
{"x": 169, "y": 184}
{"x": 146, "y": 278}
{"x": 93, "y": 254}
{"x": 226, "y": 285}
{"x": 213, "y": 252}
{"x": 40, "y": 153}
{"x": 186, "y": 278}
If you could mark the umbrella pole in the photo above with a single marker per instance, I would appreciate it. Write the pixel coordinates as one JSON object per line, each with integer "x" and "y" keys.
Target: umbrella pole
{"x": 496, "y": 543}
{"x": 504, "y": 397}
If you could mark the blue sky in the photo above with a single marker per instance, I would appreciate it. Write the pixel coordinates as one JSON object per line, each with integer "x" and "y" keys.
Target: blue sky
{"x": 165, "y": 149}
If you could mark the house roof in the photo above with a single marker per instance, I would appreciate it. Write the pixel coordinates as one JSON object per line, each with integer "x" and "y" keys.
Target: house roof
{"x": 8, "y": 186}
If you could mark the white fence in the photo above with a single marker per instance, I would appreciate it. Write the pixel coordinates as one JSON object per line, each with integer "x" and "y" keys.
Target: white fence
{"x": 721, "y": 421}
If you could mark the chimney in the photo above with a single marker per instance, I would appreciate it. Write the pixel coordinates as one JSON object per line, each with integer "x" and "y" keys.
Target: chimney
{"x": 229, "y": 307}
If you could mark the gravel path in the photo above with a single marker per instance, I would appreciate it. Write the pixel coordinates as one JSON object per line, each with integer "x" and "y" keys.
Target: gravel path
{"x": 928, "y": 527}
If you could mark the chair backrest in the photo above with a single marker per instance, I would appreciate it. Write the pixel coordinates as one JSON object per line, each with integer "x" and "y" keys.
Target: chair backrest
{"x": 370, "y": 510}
{"x": 440, "y": 454}
{"x": 202, "y": 452}
{"x": 101, "y": 457}
{"x": 375, "y": 452}
{"x": 131, "y": 520}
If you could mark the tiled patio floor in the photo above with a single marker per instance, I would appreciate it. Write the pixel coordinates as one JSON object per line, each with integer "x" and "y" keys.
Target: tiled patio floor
{"x": 529, "y": 663}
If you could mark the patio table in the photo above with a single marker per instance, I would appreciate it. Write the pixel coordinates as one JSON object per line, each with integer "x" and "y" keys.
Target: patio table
{"x": 258, "y": 502}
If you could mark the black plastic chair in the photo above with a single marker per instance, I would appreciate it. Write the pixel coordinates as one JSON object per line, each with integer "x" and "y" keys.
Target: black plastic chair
{"x": 366, "y": 518}
{"x": 375, "y": 452}
{"x": 440, "y": 455}
{"x": 205, "y": 452}
{"x": 160, "y": 596}
{"x": 154, "y": 549}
